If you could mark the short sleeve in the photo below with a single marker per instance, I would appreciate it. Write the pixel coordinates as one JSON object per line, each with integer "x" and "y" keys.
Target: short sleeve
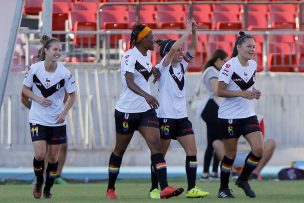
{"x": 225, "y": 73}
{"x": 210, "y": 73}
{"x": 28, "y": 79}
{"x": 160, "y": 67}
{"x": 128, "y": 63}
{"x": 70, "y": 84}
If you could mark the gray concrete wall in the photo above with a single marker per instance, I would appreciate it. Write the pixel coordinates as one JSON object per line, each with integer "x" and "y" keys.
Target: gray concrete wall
{"x": 92, "y": 131}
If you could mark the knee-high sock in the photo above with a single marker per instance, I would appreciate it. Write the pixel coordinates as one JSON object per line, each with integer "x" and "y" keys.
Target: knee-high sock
{"x": 191, "y": 168}
{"x": 51, "y": 175}
{"x": 251, "y": 162}
{"x": 113, "y": 170}
{"x": 161, "y": 169}
{"x": 154, "y": 178}
{"x": 226, "y": 166}
{"x": 38, "y": 169}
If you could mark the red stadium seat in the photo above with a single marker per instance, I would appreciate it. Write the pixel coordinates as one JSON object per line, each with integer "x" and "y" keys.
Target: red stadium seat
{"x": 83, "y": 21}
{"x": 202, "y": 8}
{"x": 227, "y": 21}
{"x": 203, "y": 19}
{"x": 113, "y": 20}
{"x": 282, "y": 47}
{"x": 282, "y": 62}
{"x": 60, "y": 15}
{"x": 263, "y": 8}
{"x": 235, "y": 8}
{"x": 257, "y": 21}
{"x": 290, "y": 8}
{"x": 212, "y": 46}
{"x": 170, "y": 20}
{"x": 282, "y": 20}
{"x": 32, "y": 7}
{"x": 171, "y": 8}
{"x": 90, "y": 6}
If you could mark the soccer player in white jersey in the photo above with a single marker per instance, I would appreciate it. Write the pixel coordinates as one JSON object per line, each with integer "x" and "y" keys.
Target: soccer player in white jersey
{"x": 135, "y": 110}
{"x": 172, "y": 112}
{"x": 209, "y": 113}
{"x": 236, "y": 113}
{"x": 46, "y": 84}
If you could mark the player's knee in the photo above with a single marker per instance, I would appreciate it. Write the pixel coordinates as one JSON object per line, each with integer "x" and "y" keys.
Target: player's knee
{"x": 258, "y": 151}
{"x": 40, "y": 155}
{"x": 191, "y": 151}
{"x": 119, "y": 152}
{"x": 271, "y": 144}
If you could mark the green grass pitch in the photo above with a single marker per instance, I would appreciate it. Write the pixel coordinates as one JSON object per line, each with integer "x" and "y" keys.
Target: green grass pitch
{"x": 136, "y": 191}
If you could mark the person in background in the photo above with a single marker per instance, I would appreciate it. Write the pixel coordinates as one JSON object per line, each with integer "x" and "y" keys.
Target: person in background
{"x": 209, "y": 114}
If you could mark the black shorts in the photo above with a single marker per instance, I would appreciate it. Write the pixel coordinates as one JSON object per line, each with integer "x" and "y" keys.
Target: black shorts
{"x": 210, "y": 116}
{"x": 51, "y": 134}
{"x": 173, "y": 128}
{"x": 127, "y": 123}
{"x": 234, "y": 128}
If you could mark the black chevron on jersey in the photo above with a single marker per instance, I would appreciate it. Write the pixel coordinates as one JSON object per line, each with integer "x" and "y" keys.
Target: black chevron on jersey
{"x": 142, "y": 70}
{"x": 180, "y": 83}
{"x": 46, "y": 92}
{"x": 242, "y": 83}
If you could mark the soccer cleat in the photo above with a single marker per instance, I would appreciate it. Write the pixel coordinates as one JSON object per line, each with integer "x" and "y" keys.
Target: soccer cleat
{"x": 37, "y": 191}
{"x": 225, "y": 193}
{"x": 196, "y": 192}
{"x": 155, "y": 193}
{"x": 47, "y": 194}
{"x": 170, "y": 191}
{"x": 246, "y": 187}
{"x": 111, "y": 194}
{"x": 60, "y": 181}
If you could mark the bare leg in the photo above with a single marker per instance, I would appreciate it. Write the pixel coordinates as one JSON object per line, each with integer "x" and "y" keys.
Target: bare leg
{"x": 218, "y": 146}
{"x": 269, "y": 147}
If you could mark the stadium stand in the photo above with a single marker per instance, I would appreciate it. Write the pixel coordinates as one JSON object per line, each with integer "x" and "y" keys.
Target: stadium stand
{"x": 256, "y": 15}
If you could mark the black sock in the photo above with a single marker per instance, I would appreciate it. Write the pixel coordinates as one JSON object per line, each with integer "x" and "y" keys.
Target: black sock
{"x": 39, "y": 169}
{"x": 113, "y": 170}
{"x": 215, "y": 165}
{"x": 208, "y": 157}
{"x": 154, "y": 178}
{"x": 51, "y": 175}
{"x": 226, "y": 166}
{"x": 161, "y": 169}
{"x": 191, "y": 168}
{"x": 251, "y": 162}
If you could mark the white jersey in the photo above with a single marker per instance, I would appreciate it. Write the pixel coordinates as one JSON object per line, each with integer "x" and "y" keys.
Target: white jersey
{"x": 238, "y": 78}
{"x": 209, "y": 73}
{"x": 50, "y": 85}
{"x": 134, "y": 62}
{"x": 172, "y": 90}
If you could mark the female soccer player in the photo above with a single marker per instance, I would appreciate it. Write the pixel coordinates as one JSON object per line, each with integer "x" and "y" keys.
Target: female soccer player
{"x": 46, "y": 84}
{"x": 172, "y": 113}
{"x": 135, "y": 110}
{"x": 236, "y": 113}
{"x": 210, "y": 111}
